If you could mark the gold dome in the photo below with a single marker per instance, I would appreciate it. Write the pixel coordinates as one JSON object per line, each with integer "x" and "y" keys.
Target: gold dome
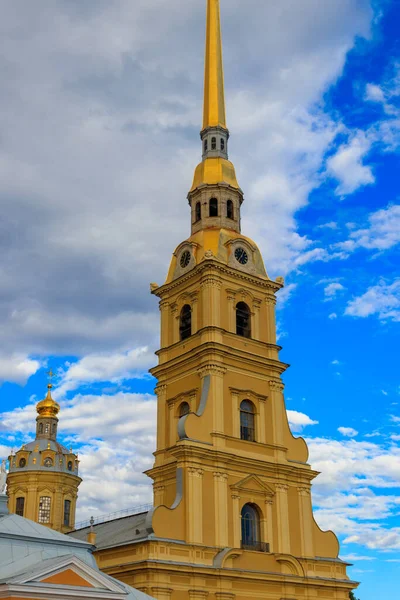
{"x": 48, "y": 407}
{"x": 215, "y": 170}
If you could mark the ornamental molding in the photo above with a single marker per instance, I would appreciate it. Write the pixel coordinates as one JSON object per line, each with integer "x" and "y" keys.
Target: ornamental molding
{"x": 243, "y": 394}
{"x": 252, "y": 485}
{"x": 160, "y": 389}
{"x": 281, "y": 487}
{"x": 304, "y": 491}
{"x": 187, "y": 396}
{"x": 196, "y": 472}
{"x": 259, "y": 281}
{"x": 220, "y": 476}
{"x": 276, "y": 386}
{"x": 211, "y": 282}
{"x": 211, "y": 370}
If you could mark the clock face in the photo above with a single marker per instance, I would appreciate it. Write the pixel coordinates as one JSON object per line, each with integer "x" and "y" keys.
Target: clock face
{"x": 48, "y": 462}
{"x": 241, "y": 256}
{"x": 185, "y": 259}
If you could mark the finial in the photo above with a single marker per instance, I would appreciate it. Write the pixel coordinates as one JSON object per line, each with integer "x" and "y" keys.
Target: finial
{"x": 91, "y": 523}
{"x": 50, "y": 376}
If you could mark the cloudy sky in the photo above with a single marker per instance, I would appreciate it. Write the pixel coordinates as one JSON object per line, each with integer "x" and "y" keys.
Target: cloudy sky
{"x": 100, "y": 110}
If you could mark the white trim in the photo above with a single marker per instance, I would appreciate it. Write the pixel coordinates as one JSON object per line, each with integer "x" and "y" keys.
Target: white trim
{"x": 48, "y": 592}
{"x": 73, "y": 563}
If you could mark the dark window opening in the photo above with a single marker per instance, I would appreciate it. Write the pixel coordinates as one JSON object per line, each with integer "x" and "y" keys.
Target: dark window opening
{"x": 198, "y": 211}
{"x": 229, "y": 209}
{"x": 70, "y": 465}
{"x": 40, "y": 427}
{"x": 213, "y": 143}
{"x": 20, "y": 507}
{"x": 184, "y": 409}
{"x": 44, "y": 509}
{"x": 185, "y": 324}
{"x": 250, "y": 527}
{"x": 205, "y": 146}
{"x": 222, "y": 144}
{"x": 213, "y": 207}
{"x": 54, "y": 427}
{"x": 243, "y": 320}
{"x": 67, "y": 512}
{"x": 247, "y": 429}
{"x": 22, "y": 463}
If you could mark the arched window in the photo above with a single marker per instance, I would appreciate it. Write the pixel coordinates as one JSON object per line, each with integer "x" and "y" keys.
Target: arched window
{"x": 67, "y": 513}
{"x": 247, "y": 429}
{"x": 205, "y": 146}
{"x": 54, "y": 427}
{"x": 70, "y": 465}
{"x": 19, "y": 507}
{"x": 185, "y": 322}
{"x": 22, "y": 463}
{"x": 243, "y": 320}
{"x": 250, "y": 527}
{"x": 229, "y": 209}
{"x": 213, "y": 207}
{"x": 198, "y": 211}
{"x": 40, "y": 427}
{"x": 213, "y": 143}
{"x": 44, "y": 509}
{"x": 47, "y": 428}
{"x": 184, "y": 409}
{"x": 222, "y": 144}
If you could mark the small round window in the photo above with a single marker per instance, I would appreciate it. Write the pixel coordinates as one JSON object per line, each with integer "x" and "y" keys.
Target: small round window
{"x": 48, "y": 462}
{"x": 22, "y": 463}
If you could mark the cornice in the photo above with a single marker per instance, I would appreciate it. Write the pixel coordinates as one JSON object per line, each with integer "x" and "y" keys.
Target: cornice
{"x": 213, "y": 264}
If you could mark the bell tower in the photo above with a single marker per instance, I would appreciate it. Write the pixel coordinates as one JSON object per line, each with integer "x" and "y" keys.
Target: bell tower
{"x": 43, "y": 480}
{"x": 232, "y": 515}
{"x": 228, "y": 473}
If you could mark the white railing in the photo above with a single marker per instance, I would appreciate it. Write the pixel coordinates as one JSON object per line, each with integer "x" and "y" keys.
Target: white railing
{"x": 127, "y": 512}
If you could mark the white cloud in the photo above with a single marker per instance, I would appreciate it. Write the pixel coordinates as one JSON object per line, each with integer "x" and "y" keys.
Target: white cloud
{"x": 374, "y": 93}
{"x": 381, "y": 232}
{"x": 348, "y": 431}
{"x": 285, "y": 294}
{"x": 299, "y": 420}
{"x": 106, "y": 367}
{"x": 382, "y": 300}
{"x": 332, "y": 290}
{"x": 332, "y": 316}
{"x": 347, "y": 165}
{"x": 119, "y": 127}
{"x": 17, "y": 368}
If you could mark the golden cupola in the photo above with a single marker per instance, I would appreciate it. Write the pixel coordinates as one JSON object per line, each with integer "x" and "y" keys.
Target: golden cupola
{"x": 43, "y": 477}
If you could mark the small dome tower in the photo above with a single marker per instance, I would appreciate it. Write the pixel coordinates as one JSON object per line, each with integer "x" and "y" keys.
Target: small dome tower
{"x": 43, "y": 480}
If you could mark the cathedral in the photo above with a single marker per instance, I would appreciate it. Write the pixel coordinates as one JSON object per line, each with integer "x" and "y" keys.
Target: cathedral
{"x": 232, "y": 514}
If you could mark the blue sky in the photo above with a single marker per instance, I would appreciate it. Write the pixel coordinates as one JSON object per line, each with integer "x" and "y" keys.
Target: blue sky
{"x": 99, "y": 121}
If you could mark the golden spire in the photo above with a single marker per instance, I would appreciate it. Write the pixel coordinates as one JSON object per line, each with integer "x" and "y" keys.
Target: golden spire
{"x": 48, "y": 407}
{"x": 214, "y": 95}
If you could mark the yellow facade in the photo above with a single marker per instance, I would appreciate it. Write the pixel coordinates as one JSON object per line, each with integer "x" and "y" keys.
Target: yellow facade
{"x": 232, "y": 493}
{"x": 43, "y": 480}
